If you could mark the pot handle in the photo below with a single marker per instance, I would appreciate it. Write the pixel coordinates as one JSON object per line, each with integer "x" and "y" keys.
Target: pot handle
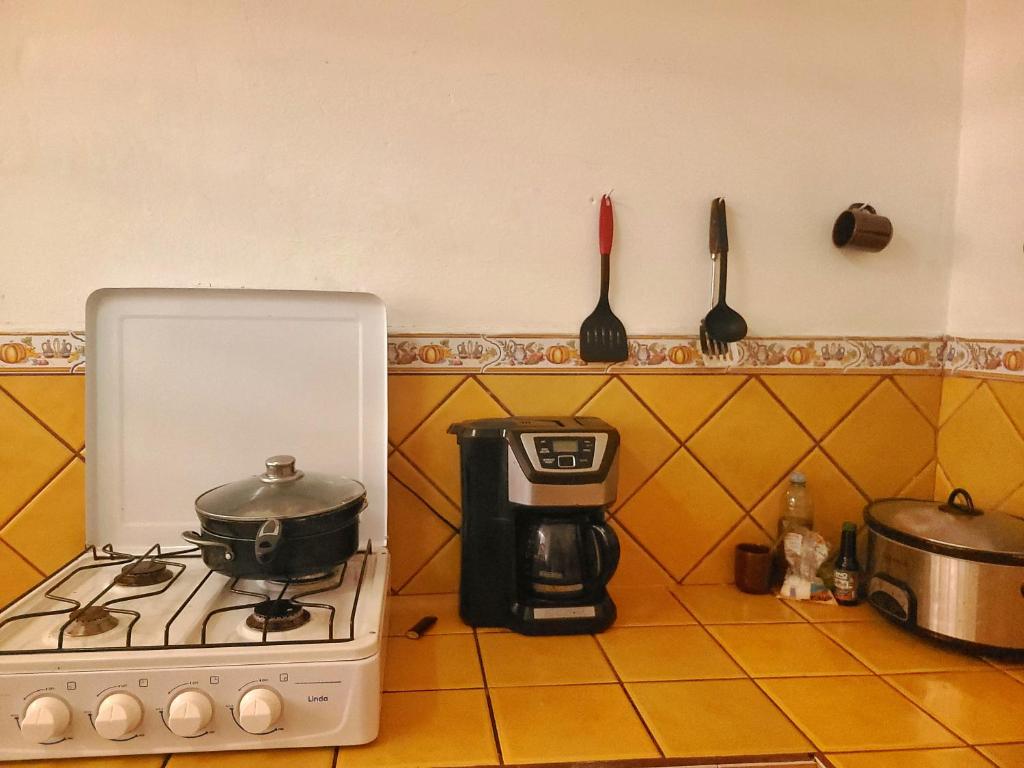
{"x": 267, "y": 540}
{"x": 197, "y": 539}
{"x": 607, "y": 544}
{"x": 965, "y": 507}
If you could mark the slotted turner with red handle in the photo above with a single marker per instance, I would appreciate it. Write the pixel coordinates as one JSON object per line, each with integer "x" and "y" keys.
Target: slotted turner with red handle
{"x": 602, "y": 335}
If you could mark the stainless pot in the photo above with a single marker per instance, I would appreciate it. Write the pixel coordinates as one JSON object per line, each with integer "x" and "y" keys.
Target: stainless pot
{"x": 282, "y": 524}
{"x": 948, "y": 570}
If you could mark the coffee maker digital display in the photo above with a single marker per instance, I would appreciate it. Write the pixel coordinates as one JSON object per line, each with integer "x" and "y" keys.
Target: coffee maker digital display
{"x": 537, "y": 553}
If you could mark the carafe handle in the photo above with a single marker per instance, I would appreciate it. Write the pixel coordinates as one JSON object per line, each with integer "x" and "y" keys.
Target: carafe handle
{"x": 607, "y": 547}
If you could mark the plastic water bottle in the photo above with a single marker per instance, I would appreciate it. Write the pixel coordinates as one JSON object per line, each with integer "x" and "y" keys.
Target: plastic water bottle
{"x": 797, "y": 508}
{"x": 796, "y": 512}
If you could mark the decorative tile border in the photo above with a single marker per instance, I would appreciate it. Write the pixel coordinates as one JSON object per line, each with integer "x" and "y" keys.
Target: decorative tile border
{"x": 985, "y": 357}
{"x": 64, "y": 352}
{"x": 56, "y": 352}
{"x": 547, "y": 353}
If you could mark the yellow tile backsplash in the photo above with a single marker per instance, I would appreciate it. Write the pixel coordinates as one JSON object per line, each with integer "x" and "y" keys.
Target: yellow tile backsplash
{"x": 980, "y": 444}
{"x": 705, "y": 458}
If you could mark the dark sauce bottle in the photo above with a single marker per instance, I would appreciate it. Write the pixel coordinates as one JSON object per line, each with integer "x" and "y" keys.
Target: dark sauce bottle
{"x": 847, "y": 571}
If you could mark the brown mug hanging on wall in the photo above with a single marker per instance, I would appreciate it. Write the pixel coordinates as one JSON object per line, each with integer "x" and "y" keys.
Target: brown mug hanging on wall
{"x": 860, "y": 226}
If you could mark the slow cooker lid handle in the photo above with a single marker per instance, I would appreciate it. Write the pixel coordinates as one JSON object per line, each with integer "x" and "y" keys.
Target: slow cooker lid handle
{"x": 965, "y": 507}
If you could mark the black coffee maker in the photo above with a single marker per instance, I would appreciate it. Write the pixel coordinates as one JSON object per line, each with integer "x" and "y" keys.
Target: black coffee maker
{"x": 536, "y": 551}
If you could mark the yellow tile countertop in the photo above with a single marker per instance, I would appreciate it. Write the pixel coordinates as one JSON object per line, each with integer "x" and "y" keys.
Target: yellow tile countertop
{"x": 703, "y": 674}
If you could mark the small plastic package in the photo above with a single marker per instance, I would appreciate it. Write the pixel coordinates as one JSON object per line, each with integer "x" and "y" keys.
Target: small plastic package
{"x": 805, "y": 551}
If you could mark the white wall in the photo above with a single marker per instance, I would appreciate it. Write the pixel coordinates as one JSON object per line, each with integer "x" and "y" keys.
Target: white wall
{"x": 987, "y": 288}
{"x": 447, "y": 155}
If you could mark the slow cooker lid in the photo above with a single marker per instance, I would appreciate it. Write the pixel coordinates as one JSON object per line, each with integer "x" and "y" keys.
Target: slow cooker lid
{"x": 955, "y": 523}
{"x": 281, "y": 492}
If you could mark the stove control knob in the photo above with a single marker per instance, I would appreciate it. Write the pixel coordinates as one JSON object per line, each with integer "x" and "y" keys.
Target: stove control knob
{"x": 189, "y": 713}
{"x": 46, "y": 719}
{"x": 117, "y": 716}
{"x": 259, "y": 710}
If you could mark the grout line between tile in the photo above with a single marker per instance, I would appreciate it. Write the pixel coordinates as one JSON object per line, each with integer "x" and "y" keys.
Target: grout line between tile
{"x": 40, "y": 489}
{"x": 714, "y": 477}
{"x": 820, "y": 443}
{"x": 334, "y": 757}
{"x": 913, "y": 402}
{"x": 935, "y": 431}
{"x": 941, "y": 724}
{"x": 650, "y": 410}
{"x": 487, "y": 696}
{"x": 611, "y": 377}
{"x": 436, "y": 688}
{"x": 433, "y": 410}
{"x": 419, "y": 469}
{"x": 1004, "y": 409}
{"x": 629, "y": 697}
{"x": 428, "y": 561}
{"x": 1006, "y": 498}
{"x": 427, "y": 504}
{"x": 981, "y": 381}
{"x": 42, "y": 423}
{"x": 793, "y": 416}
{"x": 476, "y": 377}
{"x": 827, "y": 433}
{"x": 982, "y": 756}
{"x": 782, "y": 478}
{"x": 849, "y": 478}
{"x": 714, "y": 547}
{"x": 644, "y": 482}
{"x": 28, "y": 562}
{"x": 915, "y": 475}
{"x": 644, "y": 549}
{"x": 753, "y": 680}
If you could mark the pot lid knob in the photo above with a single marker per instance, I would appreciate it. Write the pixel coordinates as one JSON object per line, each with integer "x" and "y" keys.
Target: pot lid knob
{"x": 281, "y": 469}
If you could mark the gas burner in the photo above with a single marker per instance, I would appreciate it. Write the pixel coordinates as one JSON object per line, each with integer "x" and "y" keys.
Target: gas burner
{"x": 94, "y": 620}
{"x": 309, "y": 578}
{"x": 277, "y": 616}
{"x": 143, "y": 573}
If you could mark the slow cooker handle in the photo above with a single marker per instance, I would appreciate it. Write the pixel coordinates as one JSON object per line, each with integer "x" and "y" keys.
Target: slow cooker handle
{"x": 966, "y": 507}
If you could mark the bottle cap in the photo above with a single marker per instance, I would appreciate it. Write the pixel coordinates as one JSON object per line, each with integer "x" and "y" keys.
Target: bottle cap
{"x": 850, "y": 527}
{"x": 798, "y": 478}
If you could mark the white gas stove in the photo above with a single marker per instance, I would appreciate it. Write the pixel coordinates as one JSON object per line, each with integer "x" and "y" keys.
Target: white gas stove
{"x": 136, "y": 647}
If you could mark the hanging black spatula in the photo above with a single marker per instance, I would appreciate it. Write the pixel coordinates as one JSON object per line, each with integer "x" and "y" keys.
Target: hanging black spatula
{"x": 602, "y": 335}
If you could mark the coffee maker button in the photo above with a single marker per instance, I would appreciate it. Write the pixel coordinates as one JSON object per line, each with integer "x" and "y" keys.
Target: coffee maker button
{"x": 566, "y": 462}
{"x": 548, "y": 462}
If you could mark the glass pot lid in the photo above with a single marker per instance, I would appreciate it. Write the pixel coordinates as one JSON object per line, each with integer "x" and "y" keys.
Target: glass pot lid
{"x": 955, "y": 524}
{"x": 281, "y": 492}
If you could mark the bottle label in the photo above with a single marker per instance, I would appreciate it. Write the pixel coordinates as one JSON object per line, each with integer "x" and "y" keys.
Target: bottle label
{"x": 845, "y": 585}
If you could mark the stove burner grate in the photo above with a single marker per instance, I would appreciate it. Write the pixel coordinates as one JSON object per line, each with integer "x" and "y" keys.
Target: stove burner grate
{"x": 143, "y": 573}
{"x": 308, "y": 578}
{"x": 277, "y": 615}
{"x": 92, "y": 620}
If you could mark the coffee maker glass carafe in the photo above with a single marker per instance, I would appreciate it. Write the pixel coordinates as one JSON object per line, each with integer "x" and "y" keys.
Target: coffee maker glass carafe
{"x": 566, "y": 556}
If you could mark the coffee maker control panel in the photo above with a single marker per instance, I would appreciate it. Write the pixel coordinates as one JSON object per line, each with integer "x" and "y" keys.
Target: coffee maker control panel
{"x": 565, "y": 452}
